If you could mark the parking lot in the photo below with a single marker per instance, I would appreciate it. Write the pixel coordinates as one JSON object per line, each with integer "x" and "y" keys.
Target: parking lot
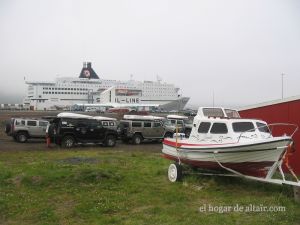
{"x": 8, "y": 144}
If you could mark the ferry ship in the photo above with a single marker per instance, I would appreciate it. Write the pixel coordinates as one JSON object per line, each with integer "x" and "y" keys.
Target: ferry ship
{"x": 88, "y": 90}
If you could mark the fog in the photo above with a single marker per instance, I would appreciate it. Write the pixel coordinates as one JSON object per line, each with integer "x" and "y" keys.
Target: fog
{"x": 233, "y": 50}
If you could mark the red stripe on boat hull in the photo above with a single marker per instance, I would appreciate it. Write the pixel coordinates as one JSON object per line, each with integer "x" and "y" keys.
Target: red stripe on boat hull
{"x": 257, "y": 169}
{"x": 179, "y": 144}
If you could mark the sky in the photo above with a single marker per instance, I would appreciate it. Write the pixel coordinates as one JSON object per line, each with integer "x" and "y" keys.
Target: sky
{"x": 229, "y": 52}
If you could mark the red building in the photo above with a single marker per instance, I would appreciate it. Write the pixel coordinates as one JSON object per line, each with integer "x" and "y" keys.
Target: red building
{"x": 279, "y": 111}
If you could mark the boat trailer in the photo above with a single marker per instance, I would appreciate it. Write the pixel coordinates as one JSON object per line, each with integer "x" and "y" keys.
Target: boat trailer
{"x": 175, "y": 169}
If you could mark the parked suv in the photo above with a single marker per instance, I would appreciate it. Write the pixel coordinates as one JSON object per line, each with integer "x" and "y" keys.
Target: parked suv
{"x": 22, "y": 129}
{"x": 183, "y": 124}
{"x": 136, "y": 128}
{"x": 71, "y": 128}
{"x": 107, "y": 122}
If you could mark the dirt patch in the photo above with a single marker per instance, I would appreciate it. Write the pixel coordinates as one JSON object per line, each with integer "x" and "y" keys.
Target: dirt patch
{"x": 36, "y": 179}
{"x": 17, "y": 180}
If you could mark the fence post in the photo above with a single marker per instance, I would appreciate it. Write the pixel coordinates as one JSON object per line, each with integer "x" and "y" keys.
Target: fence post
{"x": 297, "y": 194}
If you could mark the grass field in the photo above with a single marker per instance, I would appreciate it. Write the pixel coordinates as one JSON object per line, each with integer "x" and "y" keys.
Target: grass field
{"x": 109, "y": 186}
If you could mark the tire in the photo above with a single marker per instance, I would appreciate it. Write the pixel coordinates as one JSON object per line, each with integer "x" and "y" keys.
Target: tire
{"x": 137, "y": 139}
{"x": 110, "y": 141}
{"x": 175, "y": 172}
{"x": 7, "y": 128}
{"x": 22, "y": 137}
{"x": 68, "y": 142}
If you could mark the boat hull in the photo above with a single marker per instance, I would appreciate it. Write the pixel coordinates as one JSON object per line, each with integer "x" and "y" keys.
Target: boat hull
{"x": 253, "y": 159}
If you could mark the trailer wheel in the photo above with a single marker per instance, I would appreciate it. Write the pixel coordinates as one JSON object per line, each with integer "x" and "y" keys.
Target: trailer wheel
{"x": 68, "y": 142}
{"x": 175, "y": 172}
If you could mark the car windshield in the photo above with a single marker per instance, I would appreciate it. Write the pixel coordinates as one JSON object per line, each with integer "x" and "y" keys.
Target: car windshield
{"x": 169, "y": 122}
{"x": 188, "y": 121}
{"x": 179, "y": 122}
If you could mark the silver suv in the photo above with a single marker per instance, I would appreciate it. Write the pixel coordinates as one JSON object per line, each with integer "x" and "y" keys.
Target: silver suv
{"x": 22, "y": 129}
{"x": 135, "y": 128}
{"x": 182, "y": 123}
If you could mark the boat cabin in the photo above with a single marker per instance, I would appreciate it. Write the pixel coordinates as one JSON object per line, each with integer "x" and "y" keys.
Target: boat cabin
{"x": 219, "y": 125}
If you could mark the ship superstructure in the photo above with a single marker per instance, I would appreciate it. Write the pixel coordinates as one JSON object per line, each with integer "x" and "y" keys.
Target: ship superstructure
{"x": 88, "y": 88}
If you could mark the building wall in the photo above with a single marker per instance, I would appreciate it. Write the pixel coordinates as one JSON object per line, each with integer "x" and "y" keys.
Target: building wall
{"x": 287, "y": 112}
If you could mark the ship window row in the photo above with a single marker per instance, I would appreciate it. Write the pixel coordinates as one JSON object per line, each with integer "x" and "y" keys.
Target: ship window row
{"x": 65, "y": 93}
{"x": 78, "y": 89}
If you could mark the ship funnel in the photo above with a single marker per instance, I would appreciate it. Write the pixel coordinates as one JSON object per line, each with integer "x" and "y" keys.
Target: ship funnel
{"x": 87, "y": 71}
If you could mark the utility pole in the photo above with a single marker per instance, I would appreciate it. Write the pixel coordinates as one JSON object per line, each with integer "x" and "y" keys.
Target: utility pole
{"x": 282, "y": 75}
{"x": 213, "y": 99}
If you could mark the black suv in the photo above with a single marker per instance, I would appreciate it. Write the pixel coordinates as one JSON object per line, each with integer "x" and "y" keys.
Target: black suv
{"x": 69, "y": 131}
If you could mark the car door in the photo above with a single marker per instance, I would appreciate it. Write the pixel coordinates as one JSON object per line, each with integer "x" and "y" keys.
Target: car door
{"x": 158, "y": 129}
{"x": 32, "y": 127}
{"x": 81, "y": 130}
{"x": 179, "y": 125}
{"x": 96, "y": 132}
{"x": 147, "y": 130}
{"x": 42, "y": 126}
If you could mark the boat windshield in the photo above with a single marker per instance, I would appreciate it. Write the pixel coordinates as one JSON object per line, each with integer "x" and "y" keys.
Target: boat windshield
{"x": 232, "y": 113}
{"x": 215, "y": 112}
{"x": 262, "y": 127}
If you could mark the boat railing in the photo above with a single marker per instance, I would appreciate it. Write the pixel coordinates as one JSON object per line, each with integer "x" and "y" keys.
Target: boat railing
{"x": 270, "y": 126}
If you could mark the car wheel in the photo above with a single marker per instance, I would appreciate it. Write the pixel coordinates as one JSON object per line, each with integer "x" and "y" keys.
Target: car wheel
{"x": 110, "y": 141}
{"x": 137, "y": 139}
{"x": 22, "y": 137}
{"x": 68, "y": 142}
{"x": 175, "y": 172}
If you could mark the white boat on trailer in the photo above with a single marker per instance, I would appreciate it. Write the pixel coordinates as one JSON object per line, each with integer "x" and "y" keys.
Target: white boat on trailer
{"x": 222, "y": 141}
